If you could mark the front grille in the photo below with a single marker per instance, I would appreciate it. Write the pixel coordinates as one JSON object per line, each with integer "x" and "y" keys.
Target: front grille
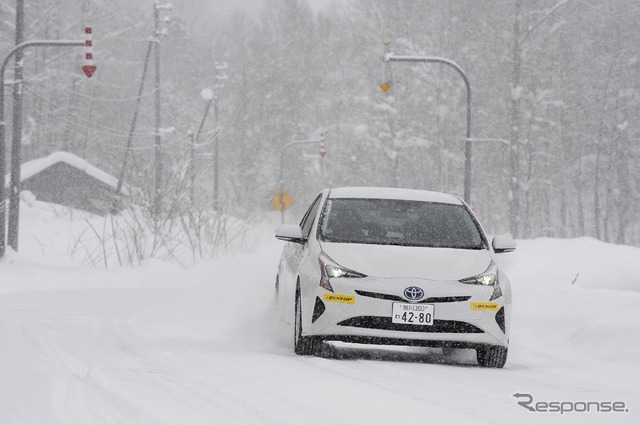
{"x": 445, "y": 300}
{"x": 380, "y": 296}
{"x": 431, "y": 300}
{"x": 385, "y": 323}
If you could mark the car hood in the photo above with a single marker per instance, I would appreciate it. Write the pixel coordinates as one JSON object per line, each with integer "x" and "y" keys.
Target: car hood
{"x": 390, "y": 261}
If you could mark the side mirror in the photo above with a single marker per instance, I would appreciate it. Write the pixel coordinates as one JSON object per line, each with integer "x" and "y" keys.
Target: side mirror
{"x": 502, "y": 244}
{"x": 290, "y": 233}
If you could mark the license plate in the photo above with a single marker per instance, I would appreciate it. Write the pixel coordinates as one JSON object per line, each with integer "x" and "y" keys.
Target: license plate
{"x": 413, "y": 314}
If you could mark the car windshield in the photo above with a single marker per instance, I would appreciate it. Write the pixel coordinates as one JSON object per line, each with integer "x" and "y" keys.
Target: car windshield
{"x": 400, "y": 222}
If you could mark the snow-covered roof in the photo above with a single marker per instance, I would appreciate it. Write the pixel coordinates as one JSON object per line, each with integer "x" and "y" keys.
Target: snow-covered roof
{"x": 33, "y": 167}
{"x": 393, "y": 193}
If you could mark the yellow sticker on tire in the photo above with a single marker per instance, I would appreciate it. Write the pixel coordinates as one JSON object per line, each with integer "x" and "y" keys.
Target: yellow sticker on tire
{"x": 335, "y": 298}
{"x": 484, "y": 306}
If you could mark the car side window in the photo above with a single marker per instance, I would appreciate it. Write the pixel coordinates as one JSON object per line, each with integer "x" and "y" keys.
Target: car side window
{"x": 307, "y": 220}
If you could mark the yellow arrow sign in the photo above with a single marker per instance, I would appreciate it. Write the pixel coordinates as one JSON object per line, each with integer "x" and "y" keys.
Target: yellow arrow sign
{"x": 385, "y": 87}
{"x": 282, "y": 201}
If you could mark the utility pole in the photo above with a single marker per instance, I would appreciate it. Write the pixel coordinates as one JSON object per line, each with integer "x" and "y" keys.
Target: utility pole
{"x": 192, "y": 165}
{"x": 158, "y": 146}
{"x": 514, "y": 151}
{"x": 157, "y": 199}
{"x": 216, "y": 156}
{"x": 16, "y": 144}
{"x": 220, "y": 76}
{"x": 134, "y": 121}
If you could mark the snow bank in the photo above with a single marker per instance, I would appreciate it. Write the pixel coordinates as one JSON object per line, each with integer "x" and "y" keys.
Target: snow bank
{"x": 575, "y": 301}
{"x": 583, "y": 262}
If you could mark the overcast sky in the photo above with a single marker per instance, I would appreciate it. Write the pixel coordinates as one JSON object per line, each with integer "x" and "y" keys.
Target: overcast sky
{"x": 251, "y": 5}
{"x": 201, "y": 15}
{"x": 224, "y": 7}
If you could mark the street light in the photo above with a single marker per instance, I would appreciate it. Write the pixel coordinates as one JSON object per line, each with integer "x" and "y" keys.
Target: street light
{"x": 208, "y": 95}
{"x": 390, "y": 57}
{"x": 14, "y": 194}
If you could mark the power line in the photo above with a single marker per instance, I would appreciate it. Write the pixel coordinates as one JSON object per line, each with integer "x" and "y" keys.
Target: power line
{"x": 94, "y": 126}
{"x": 105, "y": 99}
{"x": 139, "y": 148}
{"x": 102, "y": 129}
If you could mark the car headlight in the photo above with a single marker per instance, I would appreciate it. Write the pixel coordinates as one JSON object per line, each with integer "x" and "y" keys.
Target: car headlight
{"x": 330, "y": 269}
{"x": 487, "y": 278}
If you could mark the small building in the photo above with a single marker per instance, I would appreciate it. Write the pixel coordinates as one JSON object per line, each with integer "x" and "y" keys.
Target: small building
{"x": 65, "y": 179}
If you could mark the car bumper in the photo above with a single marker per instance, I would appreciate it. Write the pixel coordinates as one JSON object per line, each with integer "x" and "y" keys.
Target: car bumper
{"x": 359, "y": 310}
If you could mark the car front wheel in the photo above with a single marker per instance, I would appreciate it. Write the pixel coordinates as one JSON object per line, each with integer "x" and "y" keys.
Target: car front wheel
{"x": 302, "y": 345}
{"x": 492, "y": 356}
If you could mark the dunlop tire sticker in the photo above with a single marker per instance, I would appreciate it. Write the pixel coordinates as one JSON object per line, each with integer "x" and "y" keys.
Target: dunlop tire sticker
{"x": 336, "y": 298}
{"x": 485, "y": 306}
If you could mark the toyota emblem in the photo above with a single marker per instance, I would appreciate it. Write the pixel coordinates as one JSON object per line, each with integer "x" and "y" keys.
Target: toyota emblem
{"x": 413, "y": 293}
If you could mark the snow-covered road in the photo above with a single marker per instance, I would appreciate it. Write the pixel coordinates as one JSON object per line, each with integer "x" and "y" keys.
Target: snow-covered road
{"x": 163, "y": 345}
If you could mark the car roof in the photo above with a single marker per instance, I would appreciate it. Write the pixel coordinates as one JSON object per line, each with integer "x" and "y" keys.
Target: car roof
{"x": 393, "y": 193}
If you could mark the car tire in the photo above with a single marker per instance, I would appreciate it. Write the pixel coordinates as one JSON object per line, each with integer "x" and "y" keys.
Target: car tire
{"x": 492, "y": 356}
{"x": 302, "y": 345}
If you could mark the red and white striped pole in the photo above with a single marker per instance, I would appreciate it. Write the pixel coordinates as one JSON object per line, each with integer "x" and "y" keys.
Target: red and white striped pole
{"x": 323, "y": 151}
{"x": 89, "y": 67}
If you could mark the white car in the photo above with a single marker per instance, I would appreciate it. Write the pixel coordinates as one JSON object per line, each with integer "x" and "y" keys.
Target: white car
{"x": 395, "y": 267}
